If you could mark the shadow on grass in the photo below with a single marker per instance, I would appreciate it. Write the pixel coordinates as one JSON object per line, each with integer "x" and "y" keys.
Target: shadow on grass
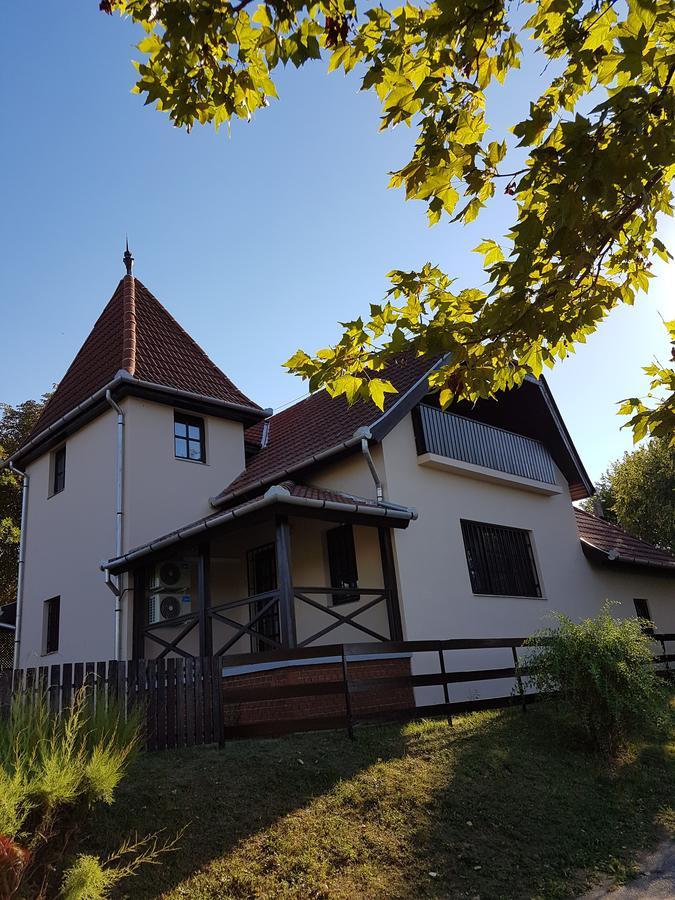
{"x": 223, "y": 796}
{"x": 495, "y": 807}
{"x": 523, "y": 814}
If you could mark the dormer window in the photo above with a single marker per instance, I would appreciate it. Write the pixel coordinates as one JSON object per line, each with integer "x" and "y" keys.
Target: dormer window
{"x": 188, "y": 438}
{"x": 58, "y": 470}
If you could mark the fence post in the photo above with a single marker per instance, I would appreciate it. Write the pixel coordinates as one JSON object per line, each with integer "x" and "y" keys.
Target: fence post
{"x": 519, "y": 680}
{"x": 218, "y": 719}
{"x": 446, "y": 692}
{"x": 348, "y": 696}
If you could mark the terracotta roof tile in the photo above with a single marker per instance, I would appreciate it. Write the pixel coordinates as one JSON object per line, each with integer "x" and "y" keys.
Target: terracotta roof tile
{"x": 315, "y": 424}
{"x": 618, "y": 544}
{"x": 165, "y": 354}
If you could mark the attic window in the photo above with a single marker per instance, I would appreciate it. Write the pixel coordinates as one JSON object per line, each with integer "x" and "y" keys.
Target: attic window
{"x": 188, "y": 438}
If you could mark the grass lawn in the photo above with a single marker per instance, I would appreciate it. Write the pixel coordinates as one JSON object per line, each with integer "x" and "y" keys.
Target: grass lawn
{"x": 495, "y": 807}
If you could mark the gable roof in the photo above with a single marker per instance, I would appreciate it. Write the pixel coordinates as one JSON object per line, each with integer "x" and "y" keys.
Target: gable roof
{"x": 135, "y": 336}
{"x": 320, "y": 425}
{"x": 608, "y": 543}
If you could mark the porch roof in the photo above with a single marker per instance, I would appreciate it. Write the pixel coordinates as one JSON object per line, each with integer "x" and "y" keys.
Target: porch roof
{"x": 288, "y": 496}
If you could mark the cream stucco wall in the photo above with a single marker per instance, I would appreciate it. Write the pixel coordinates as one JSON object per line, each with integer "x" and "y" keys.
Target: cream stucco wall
{"x": 71, "y": 533}
{"x": 436, "y": 596}
{"x": 162, "y": 492}
{"x": 67, "y": 535}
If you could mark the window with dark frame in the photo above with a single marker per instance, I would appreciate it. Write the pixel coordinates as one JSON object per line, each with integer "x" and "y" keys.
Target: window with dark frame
{"x": 342, "y": 563}
{"x": 500, "y": 560}
{"x": 642, "y": 612}
{"x": 59, "y": 470}
{"x": 188, "y": 438}
{"x": 262, "y": 577}
{"x": 52, "y": 614}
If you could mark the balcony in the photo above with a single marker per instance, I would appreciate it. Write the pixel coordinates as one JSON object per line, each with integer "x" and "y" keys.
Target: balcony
{"x": 465, "y": 446}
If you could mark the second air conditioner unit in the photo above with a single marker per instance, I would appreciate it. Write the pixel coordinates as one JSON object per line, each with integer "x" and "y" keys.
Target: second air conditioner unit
{"x": 165, "y": 607}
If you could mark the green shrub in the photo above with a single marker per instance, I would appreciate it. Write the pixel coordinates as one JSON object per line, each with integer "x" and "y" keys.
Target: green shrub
{"x": 601, "y": 674}
{"x": 53, "y": 770}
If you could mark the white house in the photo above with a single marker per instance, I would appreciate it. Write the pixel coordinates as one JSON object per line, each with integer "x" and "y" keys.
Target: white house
{"x": 167, "y": 513}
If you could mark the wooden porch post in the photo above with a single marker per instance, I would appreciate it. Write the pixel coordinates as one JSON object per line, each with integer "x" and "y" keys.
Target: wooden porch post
{"x": 389, "y": 576}
{"x": 139, "y": 611}
{"x": 285, "y": 583}
{"x": 204, "y": 600}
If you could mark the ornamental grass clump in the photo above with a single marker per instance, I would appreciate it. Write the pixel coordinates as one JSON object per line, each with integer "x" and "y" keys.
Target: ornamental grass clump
{"x": 600, "y": 673}
{"x": 53, "y": 771}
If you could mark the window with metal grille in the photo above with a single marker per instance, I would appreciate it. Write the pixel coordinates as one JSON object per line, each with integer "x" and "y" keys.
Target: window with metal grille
{"x": 642, "y": 612}
{"x": 52, "y": 614}
{"x": 188, "y": 438}
{"x": 342, "y": 562}
{"x": 59, "y": 470}
{"x": 500, "y": 560}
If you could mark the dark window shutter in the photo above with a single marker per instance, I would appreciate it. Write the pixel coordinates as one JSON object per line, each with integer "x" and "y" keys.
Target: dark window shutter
{"x": 342, "y": 562}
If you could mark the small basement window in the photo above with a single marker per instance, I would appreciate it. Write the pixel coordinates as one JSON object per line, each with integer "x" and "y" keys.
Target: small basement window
{"x": 342, "y": 563}
{"x": 500, "y": 560}
{"x": 50, "y": 625}
{"x": 188, "y": 438}
{"x": 58, "y": 470}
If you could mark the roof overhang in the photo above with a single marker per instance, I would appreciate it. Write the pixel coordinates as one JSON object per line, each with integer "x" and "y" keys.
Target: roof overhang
{"x": 619, "y": 562}
{"x": 125, "y": 385}
{"x": 276, "y": 501}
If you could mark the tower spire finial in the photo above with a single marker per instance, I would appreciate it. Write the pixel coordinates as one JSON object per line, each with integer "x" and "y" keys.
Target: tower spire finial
{"x": 128, "y": 258}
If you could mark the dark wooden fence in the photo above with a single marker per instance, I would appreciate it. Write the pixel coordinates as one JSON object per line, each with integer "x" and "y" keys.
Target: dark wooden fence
{"x": 186, "y": 702}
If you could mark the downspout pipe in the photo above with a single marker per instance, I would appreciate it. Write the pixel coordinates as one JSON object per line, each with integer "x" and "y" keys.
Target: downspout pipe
{"x": 366, "y": 435}
{"x": 119, "y": 519}
{"x": 22, "y": 561}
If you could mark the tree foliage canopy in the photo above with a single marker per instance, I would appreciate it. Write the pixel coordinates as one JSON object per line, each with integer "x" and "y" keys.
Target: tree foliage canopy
{"x": 637, "y": 492}
{"x": 15, "y": 425}
{"x": 599, "y": 147}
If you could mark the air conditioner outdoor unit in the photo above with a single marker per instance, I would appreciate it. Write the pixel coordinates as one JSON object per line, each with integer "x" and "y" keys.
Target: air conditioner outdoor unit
{"x": 170, "y": 576}
{"x": 164, "y": 607}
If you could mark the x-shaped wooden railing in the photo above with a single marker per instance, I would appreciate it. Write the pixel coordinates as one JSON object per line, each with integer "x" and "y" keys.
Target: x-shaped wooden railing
{"x": 379, "y": 596}
{"x": 191, "y": 621}
{"x": 268, "y": 599}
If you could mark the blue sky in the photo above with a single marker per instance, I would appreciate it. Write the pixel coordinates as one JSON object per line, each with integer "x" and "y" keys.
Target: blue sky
{"x": 258, "y": 242}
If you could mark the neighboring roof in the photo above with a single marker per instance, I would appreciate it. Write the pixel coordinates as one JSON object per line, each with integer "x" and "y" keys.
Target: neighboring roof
{"x": 135, "y": 334}
{"x": 285, "y": 494}
{"x": 609, "y": 543}
{"x": 320, "y": 423}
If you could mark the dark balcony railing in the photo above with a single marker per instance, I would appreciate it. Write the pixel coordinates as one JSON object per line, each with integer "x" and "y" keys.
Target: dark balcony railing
{"x": 456, "y": 437}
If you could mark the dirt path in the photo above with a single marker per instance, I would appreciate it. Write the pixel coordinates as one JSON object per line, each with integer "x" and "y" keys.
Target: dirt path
{"x": 656, "y": 880}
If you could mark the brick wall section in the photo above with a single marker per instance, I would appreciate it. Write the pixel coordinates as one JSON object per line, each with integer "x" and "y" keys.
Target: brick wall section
{"x": 254, "y": 712}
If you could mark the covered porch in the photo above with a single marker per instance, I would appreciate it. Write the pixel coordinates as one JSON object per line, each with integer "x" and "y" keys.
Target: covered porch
{"x": 299, "y": 567}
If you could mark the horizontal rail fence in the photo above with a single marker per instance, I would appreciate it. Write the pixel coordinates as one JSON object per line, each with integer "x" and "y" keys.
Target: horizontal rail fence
{"x": 457, "y": 437}
{"x": 186, "y": 702}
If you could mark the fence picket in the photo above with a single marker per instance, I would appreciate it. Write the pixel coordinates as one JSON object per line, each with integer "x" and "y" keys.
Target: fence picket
{"x": 161, "y": 704}
{"x": 181, "y": 712}
{"x": 171, "y": 703}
